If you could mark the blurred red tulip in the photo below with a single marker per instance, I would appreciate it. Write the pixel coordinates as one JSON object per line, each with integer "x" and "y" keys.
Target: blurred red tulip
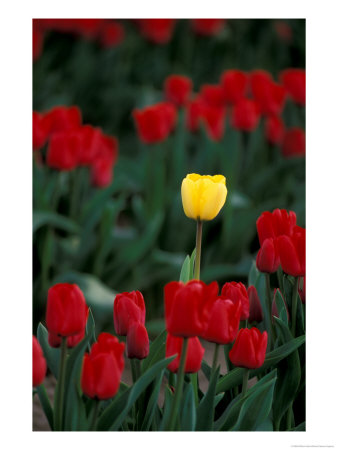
{"x": 212, "y": 95}
{"x": 274, "y": 130}
{"x": 63, "y": 118}
{"x": 208, "y": 27}
{"x": 293, "y": 143}
{"x": 103, "y": 163}
{"x": 39, "y": 363}
{"x": 245, "y": 115}
{"x": 158, "y": 31}
{"x": 294, "y": 82}
{"x": 40, "y": 130}
{"x": 269, "y": 95}
{"x": 38, "y": 37}
{"x": 177, "y": 89}
{"x": 235, "y": 83}
{"x": 155, "y": 123}
{"x": 284, "y": 31}
{"x": 111, "y": 33}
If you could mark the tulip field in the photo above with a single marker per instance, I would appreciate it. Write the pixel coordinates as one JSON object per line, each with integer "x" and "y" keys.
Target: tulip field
{"x": 169, "y": 272}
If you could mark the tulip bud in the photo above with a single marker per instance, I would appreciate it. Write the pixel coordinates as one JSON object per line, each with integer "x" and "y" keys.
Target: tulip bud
{"x": 234, "y": 84}
{"x": 129, "y": 307}
{"x": 245, "y": 115}
{"x": 154, "y": 123}
{"x": 292, "y": 252}
{"x": 177, "y": 89}
{"x": 66, "y": 310}
{"x": 293, "y": 142}
{"x": 249, "y": 348}
{"x": 256, "y": 312}
{"x": 39, "y": 363}
{"x": 277, "y": 223}
{"x": 267, "y": 258}
{"x": 203, "y": 196}
{"x": 237, "y": 293}
{"x": 184, "y": 306}
{"x": 137, "y": 341}
{"x": 194, "y": 354}
{"x": 294, "y": 82}
{"x": 102, "y": 368}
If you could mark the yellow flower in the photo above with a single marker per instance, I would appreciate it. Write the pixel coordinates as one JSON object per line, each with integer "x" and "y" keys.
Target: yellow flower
{"x": 203, "y": 195}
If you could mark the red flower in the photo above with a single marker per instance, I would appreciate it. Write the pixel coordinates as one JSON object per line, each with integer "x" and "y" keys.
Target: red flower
{"x": 63, "y": 118}
{"x": 293, "y": 143}
{"x": 213, "y": 95}
{"x": 214, "y": 121}
{"x": 64, "y": 150}
{"x": 269, "y": 95}
{"x": 271, "y": 225}
{"x": 155, "y": 123}
{"x": 194, "y": 113}
{"x": 223, "y": 320}
{"x": 129, "y": 307}
{"x": 249, "y": 348}
{"x": 292, "y": 252}
{"x": 234, "y": 84}
{"x": 102, "y": 368}
{"x": 184, "y": 306}
{"x": 55, "y": 341}
{"x": 39, "y": 363}
{"x": 66, "y": 310}
{"x": 268, "y": 258}
{"x": 256, "y": 312}
{"x": 158, "y": 31}
{"x": 207, "y": 27}
{"x": 274, "y": 130}
{"x": 177, "y": 89}
{"x": 237, "y": 293}
{"x": 137, "y": 341}
{"x": 104, "y": 161}
{"x": 245, "y": 115}
{"x": 294, "y": 82}
{"x": 111, "y": 34}
{"x": 194, "y": 354}
{"x": 40, "y": 130}
{"x": 274, "y": 309}
{"x": 38, "y": 37}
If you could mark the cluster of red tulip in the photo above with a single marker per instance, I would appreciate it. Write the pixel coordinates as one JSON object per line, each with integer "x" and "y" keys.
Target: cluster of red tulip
{"x": 71, "y": 144}
{"x": 246, "y": 97}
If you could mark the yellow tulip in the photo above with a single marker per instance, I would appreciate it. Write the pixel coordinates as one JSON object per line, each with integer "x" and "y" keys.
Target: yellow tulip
{"x": 203, "y": 196}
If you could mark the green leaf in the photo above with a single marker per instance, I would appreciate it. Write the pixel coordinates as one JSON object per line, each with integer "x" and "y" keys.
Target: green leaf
{"x": 300, "y": 427}
{"x": 168, "y": 399}
{"x": 135, "y": 391}
{"x": 234, "y": 377}
{"x": 156, "y": 352}
{"x": 289, "y": 375}
{"x": 253, "y": 274}
{"x": 188, "y": 411}
{"x": 45, "y": 403}
{"x": 192, "y": 264}
{"x": 185, "y": 270}
{"x": 206, "y": 369}
{"x": 42, "y": 218}
{"x": 152, "y": 404}
{"x": 281, "y": 307}
{"x": 205, "y": 410}
{"x": 51, "y": 354}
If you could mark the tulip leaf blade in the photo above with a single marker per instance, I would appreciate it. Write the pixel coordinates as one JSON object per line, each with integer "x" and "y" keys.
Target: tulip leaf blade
{"x": 168, "y": 399}
{"x": 185, "y": 270}
{"x": 51, "y": 354}
{"x": 152, "y": 403}
{"x": 234, "y": 377}
{"x": 289, "y": 375}
{"x": 281, "y": 307}
{"x": 192, "y": 264}
{"x": 188, "y": 411}
{"x": 205, "y": 410}
{"x": 42, "y": 218}
{"x": 156, "y": 351}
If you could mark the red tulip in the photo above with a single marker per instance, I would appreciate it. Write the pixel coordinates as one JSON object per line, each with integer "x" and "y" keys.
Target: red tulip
{"x": 104, "y": 161}
{"x": 63, "y": 118}
{"x": 158, "y": 31}
{"x": 213, "y": 95}
{"x": 268, "y": 258}
{"x": 207, "y": 27}
{"x": 294, "y": 142}
{"x": 66, "y": 310}
{"x": 177, "y": 89}
{"x": 223, "y": 320}
{"x": 294, "y": 82}
{"x": 249, "y": 348}
{"x": 184, "y": 306}
{"x": 39, "y": 363}
{"x": 137, "y": 341}
{"x": 270, "y": 96}
{"x": 237, "y": 293}
{"x": 64, "y": 150}
{"x": 155, "y": 123}
{"x": 40, "y": 130}
{"x": 245, "y": 115}
{"x": 234, "y": 83}
{"x": 194, "y": 113}
{"x": 256, "y": 312}
{"x": 194, "y": 354}
{"x": 214, "y": 120}
{"x": 102, "y": 368}
{"x": 274, "y": 130}
{"x": 129, "y": 307}
{"x": 277, "y": 223}
{"x": 292, "y": 252}
{"x": 111, "y": 34}
{"x": 55, "y": 341}
{"x": 38, "y": 38}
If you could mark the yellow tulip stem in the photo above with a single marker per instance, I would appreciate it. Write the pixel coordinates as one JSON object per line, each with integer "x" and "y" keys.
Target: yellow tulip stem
{"x": 198, "y": 250}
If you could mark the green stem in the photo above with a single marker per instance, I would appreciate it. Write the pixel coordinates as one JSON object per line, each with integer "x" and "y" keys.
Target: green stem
{"x": 294, "y": 307}
{"x": 198, "y": 250}
{"x": 194, "y": 382}
{"x": 289, "y": 418}
{"x": 60, "y": 390}
{"x": 179, "y": 386}
{"x": 95, "y": 415}
{"x": 214, "y": 363}
{"x": 135, "y": 369}
{"x": 272, "y": 335}
{"x": 45, "y": 403}
{"x": 245, "y": 381}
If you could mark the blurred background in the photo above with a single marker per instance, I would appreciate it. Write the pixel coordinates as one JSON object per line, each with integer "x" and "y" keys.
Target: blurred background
{"x": 114, "y": 222}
